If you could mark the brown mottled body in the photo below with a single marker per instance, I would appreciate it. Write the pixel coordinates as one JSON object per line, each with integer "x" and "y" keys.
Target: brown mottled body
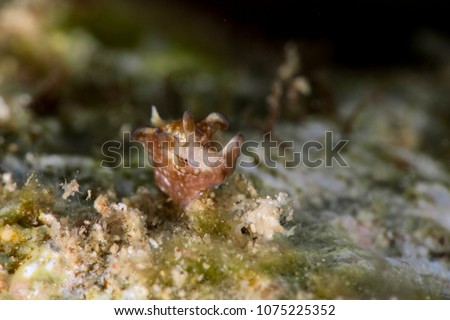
{"x": 185, "y": 159}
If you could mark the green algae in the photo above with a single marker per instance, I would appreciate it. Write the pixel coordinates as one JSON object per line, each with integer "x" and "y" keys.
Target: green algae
{"x": 210, "y": 222}
{"x": 32, "y": 200}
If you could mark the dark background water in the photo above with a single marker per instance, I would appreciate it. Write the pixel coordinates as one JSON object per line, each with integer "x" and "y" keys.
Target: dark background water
{"x": 361, "y": 33}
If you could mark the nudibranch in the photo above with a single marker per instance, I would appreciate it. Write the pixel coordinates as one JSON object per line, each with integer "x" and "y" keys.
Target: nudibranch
{"x": 186, "y": 160}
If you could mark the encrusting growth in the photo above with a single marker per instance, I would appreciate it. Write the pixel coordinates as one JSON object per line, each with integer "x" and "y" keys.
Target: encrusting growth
{"x": 185, "y": 158}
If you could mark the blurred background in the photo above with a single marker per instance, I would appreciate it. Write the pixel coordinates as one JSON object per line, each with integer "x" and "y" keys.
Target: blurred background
{"x": 68, "y": 66}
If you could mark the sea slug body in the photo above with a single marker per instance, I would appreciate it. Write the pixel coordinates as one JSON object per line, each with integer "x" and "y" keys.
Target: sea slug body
{"x": 186, "y": 160}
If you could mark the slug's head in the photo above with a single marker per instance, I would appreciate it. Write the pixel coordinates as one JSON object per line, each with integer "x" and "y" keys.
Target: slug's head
{"x": 185, "y": 158}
